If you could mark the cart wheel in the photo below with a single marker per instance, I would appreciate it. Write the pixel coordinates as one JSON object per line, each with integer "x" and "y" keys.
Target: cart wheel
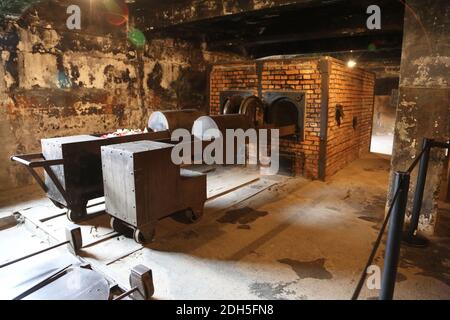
{"x": 144, "y": 237}
{"x": 77, "y": 212}
{"x": 193, "y": 216}
{"x": 71, "y": 215}
{"x": 121, "y": 227}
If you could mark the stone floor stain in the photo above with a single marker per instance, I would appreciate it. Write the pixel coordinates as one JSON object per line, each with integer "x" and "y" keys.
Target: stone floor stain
{"x": 308, "y": 269}
{"x": 242, "y": 216}
{"x": 272, "y": 291}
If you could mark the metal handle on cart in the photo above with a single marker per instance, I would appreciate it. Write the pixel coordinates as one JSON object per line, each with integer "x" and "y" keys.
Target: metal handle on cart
{"x": 27, "y": 160}
{"x": 37, "y": 160}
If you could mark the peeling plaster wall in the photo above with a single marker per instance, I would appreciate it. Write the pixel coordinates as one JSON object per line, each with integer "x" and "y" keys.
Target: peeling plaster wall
{"x": 424, "y": 96}
{"x": 55, "y": 83}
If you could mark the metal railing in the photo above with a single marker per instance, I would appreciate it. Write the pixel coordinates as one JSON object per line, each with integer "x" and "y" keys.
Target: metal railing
{"x": 396, "y": 216}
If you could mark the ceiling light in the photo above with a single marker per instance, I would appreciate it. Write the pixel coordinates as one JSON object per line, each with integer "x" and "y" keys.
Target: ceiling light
{"x": 351, "y": 63}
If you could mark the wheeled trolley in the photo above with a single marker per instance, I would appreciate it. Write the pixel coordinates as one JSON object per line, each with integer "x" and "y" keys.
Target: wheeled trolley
{"x": 73, "y": 171}
{"x": 143, "y": 185}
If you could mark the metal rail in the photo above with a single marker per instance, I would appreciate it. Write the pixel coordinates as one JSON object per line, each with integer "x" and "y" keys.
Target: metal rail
{"x": 393, "y": 243}
{"x": 33, "y": 254}
{"x": 37, "y": 160}
{"x": 374, "y": 249}
{"x": 126, "y": 293}
{"x": 396, "y": 216}
{"x": 410, "y": 236}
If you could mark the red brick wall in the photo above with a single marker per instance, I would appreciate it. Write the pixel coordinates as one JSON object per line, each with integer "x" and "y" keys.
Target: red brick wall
{"x": 302, "y": 75}
{"x": 354, "y": 90}
{"x": 239, "y": 76}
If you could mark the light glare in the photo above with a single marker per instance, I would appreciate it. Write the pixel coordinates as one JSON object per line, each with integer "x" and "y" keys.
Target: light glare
{"x": 351, "y": 63}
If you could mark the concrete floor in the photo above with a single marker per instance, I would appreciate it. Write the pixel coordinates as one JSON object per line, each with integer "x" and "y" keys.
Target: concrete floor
{"x": 274, "y": 238}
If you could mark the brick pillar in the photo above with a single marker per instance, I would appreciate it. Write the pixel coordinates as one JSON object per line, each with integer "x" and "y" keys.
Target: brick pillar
{"x": 423, "y": 107}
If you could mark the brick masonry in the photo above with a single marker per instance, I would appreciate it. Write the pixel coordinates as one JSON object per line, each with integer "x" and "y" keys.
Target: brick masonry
{"x": 351, "y": 88}
{"x": 354, "y": 90}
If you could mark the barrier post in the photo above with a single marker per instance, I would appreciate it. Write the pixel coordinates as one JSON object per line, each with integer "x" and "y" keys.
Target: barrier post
{"x": 410, "y": 237}
{"x": 394, "y": 238}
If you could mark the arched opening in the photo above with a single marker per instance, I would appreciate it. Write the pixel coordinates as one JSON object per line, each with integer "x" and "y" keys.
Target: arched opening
{"x": 232, "y": 104}
{"x": 285, "y": 112}
{"x": 253, "y": 107}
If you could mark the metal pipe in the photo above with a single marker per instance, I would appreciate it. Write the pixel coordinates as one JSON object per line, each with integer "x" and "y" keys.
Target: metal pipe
{"x": 73, "y": 236}
{"x": 444, "y": 145}
{"x": 394, "y": 238}
{"x": 47, "y": 280}
{"x": 126, "y": 294}
{"x": 58, "y": 185}
{"x": 33, "y": 254}
{"x": 410, "y": 237}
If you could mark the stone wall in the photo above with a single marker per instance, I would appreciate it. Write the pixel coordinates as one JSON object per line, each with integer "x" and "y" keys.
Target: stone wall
{"x": 56, "y": 82}
{"x": 424, "y": 97}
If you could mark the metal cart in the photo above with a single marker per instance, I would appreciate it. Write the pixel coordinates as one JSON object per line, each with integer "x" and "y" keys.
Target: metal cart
{"x": 143, "y": 185}
{"x": 73, "y": 170}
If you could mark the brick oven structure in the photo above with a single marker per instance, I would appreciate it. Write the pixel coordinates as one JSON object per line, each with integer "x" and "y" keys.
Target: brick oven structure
{"x": 333, "y": 107}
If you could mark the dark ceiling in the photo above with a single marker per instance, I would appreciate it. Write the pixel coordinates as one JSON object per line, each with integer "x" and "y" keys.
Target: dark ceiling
{"x": 334, "y": 27}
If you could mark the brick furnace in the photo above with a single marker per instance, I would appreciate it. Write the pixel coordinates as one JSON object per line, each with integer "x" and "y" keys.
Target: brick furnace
{"x": 323, "y": 107}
